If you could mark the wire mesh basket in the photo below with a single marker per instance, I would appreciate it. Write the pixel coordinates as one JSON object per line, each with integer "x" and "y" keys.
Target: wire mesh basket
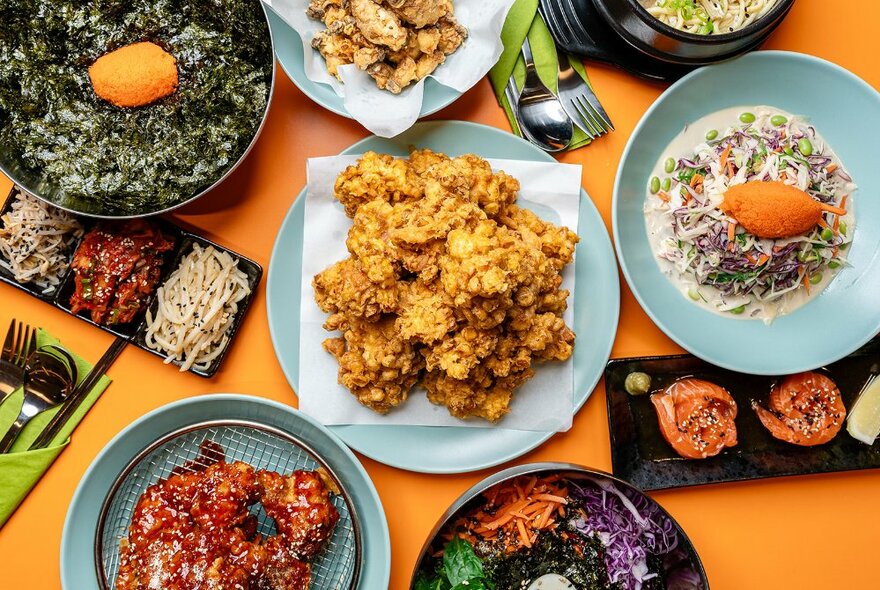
{"x": 337, "y": 567}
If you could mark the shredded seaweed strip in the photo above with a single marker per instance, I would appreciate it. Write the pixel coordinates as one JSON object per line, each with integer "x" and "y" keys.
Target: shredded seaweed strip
{"x": 109, "y": 160}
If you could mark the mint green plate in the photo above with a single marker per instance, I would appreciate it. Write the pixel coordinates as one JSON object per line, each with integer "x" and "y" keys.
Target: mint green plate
{"x": 846, "y": 111}
{"x": 289, "y": 51}
{"x": 450, "y": 449}
{"x": 78, "y": 567}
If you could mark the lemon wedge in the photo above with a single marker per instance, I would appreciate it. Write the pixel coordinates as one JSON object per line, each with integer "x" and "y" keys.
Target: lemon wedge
{"x": 863, "y": 422}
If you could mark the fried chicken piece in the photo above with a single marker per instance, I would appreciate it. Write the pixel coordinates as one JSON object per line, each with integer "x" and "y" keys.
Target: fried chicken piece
{"x": 378, "y": 24}
{"x": 488, "y": 261}
{"x": 346, "y": 288}
{"x": 377, "y": 177}
{"x": 302, "y": 509}
{"x": 376, "y": 363}
{"x": 283, "y": 571}
{"x": 425, "y": 313}
{"x": 472, "y": 176}
{"x": 481, "y": 395}
{"x": 461, "y": 352}
{"x": 452, "y": 35}
{"x": 420, "y": 13}
{"x": 369, "y": 244}
{"x": 419, "y": 228}
{"x": 557, "y": 242}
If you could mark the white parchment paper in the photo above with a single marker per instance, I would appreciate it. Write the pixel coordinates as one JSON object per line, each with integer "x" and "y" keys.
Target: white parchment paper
{"x": 380, "y": 111}
{"x": 544, "y": 403}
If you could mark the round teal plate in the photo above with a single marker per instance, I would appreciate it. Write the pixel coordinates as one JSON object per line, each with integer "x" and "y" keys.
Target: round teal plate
{"x": 846, "y": 111}
{"x": 78, "y": 568}
{"x": 449, "y": 449}
{"x": 289, "y": 51}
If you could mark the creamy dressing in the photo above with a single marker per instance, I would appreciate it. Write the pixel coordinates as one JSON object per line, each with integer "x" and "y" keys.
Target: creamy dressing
{"x": 661, "y": 236}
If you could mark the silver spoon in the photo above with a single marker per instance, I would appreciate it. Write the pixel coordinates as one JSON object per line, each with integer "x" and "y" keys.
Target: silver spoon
{"x": 48, "y": 379}
{"x": 543, "y": 120}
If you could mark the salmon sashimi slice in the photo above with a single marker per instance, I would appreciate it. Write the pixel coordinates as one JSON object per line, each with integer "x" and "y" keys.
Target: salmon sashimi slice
{"x": 804, "y": 409}
{"x": 696, "y": 417}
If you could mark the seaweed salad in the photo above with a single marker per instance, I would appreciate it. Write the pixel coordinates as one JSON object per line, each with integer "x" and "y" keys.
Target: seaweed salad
{"x": 90, "y": 156}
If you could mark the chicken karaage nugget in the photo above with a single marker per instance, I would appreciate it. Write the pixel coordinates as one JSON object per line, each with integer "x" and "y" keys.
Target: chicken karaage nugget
{"x": 377, "y": 177}
{"x": 481, "y": 395}
{"x": 424, "y": 313}
{"x": 557, "y": 242}
{"x": 457, "y": 354}
{"x": 420, "y": 13}
{"x": 378, "y": 24}
{"x": 376, "y": 363}
{"x": 346, "y": 288}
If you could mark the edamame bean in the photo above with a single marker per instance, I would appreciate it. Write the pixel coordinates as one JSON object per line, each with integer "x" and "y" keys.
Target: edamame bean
{"x": 833, "y": 264}
{"x": 788, "y": 151}
{"x": 778, "y": 120}
{"x": 844, "y": 246}
{"x": 666, "y": 184}
{"x": 816, "y": 278}
{"x": 842, "y": 228}
{"x": 747, "y": 117}
{"x": 712, "y": 134}
{"x": 802, "y": 255}
{"x": 738, "y": 310}
{"x": 637, "y": 383}
{"x": 694, "y": 294}
{"x": 805, "y": 146}
{"x": 669, "y": 166}
{"x": 655, "y": 185}
{"x": 827, "y": 234}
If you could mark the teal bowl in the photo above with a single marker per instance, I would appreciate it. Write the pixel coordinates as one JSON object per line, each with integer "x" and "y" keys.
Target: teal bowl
{"x": 79, "y": 570}
{"x": 846, "y": 111}
{"x": 289, "y": 51}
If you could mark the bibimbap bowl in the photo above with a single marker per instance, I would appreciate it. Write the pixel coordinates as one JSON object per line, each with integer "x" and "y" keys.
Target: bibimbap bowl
{"x": 530, "y": 525}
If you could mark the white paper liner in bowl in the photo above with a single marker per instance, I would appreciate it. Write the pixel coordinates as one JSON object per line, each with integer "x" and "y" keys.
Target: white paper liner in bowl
{"x": 386, "y": 114}
{"x": 544, "y": 403}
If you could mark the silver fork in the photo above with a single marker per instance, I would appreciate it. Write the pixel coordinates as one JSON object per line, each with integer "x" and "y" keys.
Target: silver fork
{"x": 17, "y": 347}
{"x": 580, "y": 102}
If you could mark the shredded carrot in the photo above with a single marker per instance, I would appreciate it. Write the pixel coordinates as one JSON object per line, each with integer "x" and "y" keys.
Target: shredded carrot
{"x": 843, "y": 202}
{"x": 724, "y": 155}
{"x": 831, "y": 168}
{"x": 731, "y": 236}
{"x": 664, "y": 196}
{"x": 751, "y": 258}
{"x": 806, "y": 281}
{"x": 834, "y": 252}
{"x": 696, "y": 179}
{"x": 523, "y": 535}
{"x": 514, "y": 513}
{"x": 823, "y": 224}
{"x": 836, "y": 224}
{"x": 730, "y": 171}
{"x": 763, "y": 260}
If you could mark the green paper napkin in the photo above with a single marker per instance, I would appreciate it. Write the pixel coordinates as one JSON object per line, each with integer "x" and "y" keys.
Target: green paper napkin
{"x": 523, "y": 19}
{"x": 21, "y": 469}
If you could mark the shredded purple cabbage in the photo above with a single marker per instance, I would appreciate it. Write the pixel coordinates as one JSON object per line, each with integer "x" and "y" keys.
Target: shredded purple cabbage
{"x": 630, "y": 528}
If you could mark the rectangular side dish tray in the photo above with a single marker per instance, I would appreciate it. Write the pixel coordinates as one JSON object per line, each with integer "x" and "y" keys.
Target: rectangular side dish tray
{"x": 640, "y": 455}
{"x": 135, "y": 331}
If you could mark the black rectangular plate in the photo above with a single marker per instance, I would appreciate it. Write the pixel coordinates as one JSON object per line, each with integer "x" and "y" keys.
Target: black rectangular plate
{"x": 134, "y": 330}
{"x": 640, "y": 455}
{"x": 254, "y": 273}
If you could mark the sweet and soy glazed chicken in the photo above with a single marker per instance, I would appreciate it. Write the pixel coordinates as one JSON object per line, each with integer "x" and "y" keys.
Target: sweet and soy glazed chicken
{"x": 194, "y": 531}
{"x": 397, "y": 42}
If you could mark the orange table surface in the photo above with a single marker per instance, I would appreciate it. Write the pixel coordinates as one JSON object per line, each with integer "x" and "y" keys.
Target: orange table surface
{"x": 800, "y": 532}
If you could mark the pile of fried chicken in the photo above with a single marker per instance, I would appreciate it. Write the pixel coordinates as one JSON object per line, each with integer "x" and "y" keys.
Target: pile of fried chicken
{"x": 397, "y": 42}
{"x": 194, "y": 530}
{"x": 449, "y": 283}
